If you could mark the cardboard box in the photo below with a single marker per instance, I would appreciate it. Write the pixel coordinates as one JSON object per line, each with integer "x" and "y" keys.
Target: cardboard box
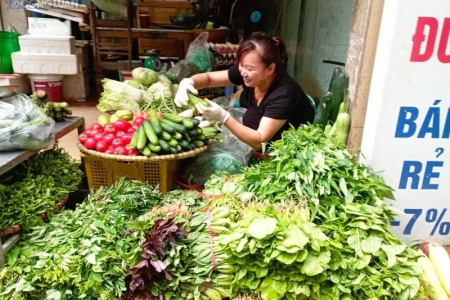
{"x": 76, "y": 87}
{"x": 48, "y": 27}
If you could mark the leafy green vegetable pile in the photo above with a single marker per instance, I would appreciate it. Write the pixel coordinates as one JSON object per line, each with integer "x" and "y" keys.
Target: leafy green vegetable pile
{"x": 36, "y": 186}
{"x": 81, "y": 254}
{"x": 311, "y": 223}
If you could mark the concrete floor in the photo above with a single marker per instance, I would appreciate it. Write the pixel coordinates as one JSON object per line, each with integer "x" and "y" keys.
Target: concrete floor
{"x": 89, "y": 111}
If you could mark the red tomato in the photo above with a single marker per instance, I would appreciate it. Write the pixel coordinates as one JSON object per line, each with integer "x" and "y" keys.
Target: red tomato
{"x": 131, "y": 130}
{"x": 90, "y": 143}
{"x": 116, "y": 142}
{"x": 99, "y": 136}
{"x": 122, "y": 125}
{"x": 82, "y": 137}
{"x": 135, "y": 126}
{"x": 159, "y": 114}
{"x": 110, "y": 150}
{"x": 93, "y": 132}
{"x": 110, "y": 128}
{"x": 146, "y": 115}
{"x": 120, "y": 133}
{"x": 88, "y": 132}
{"x": 120, "y": 150}
{"x": 97, "y": 126}
{"x": 126, "y": 138}
{"x": 139, "y": 120}
{"x": 134, "y": 152}
{"x": 102, "y": 145}
{"x": 109, "y": 137}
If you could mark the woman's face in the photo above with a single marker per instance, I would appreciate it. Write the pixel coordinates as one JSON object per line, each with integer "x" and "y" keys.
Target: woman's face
{"x": 253, "y": 71}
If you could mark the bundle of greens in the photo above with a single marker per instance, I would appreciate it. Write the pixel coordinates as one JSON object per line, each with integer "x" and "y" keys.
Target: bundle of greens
{"x": 35, "y": 186}
{"x": 84, "y": 253}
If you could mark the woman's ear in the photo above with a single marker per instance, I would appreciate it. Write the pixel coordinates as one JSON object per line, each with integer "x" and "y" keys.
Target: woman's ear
{"x": 271, "y": 68}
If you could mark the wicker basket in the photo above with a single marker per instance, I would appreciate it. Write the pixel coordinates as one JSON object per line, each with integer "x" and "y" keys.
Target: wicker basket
{"x": 18, "y": 228}
{"x": 105, "y": 169}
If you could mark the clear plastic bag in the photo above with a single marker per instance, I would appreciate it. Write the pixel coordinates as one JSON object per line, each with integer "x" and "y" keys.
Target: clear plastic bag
{"x": 230, "y": 141}
{"x": 199, "y": 54}
{"x": 23, "y": 125}
{"x": 216, "y": 158}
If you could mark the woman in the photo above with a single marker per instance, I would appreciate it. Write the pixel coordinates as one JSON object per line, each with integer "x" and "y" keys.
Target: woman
{"x": 274, "y": 101}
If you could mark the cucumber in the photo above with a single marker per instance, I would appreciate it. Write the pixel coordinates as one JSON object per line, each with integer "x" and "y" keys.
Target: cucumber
{"x": 323, "y": 109}
{"x": 338, "y": 88}
{"x": 178, "y": 127}
{"x": 167, "y": 128}
{"x": 187, "y": 137}
{"x": 172, "y": 143}
{"x": 153, "y": 148}
{"x": 187, "y": 124}
{"x": 192, "y": 132}
{"x": 199, "y": 130}
{"x": 173, "y": 150}
{"x": 198, "y": 143}
{"x": 178, "y": 147}
{"x": 155, "y": 121}
{"x": 146, "y": 151}
{"x": 177, "y": 136}
{"x": 193, "y": 120}
{"x": 164, "y": 145}
{"x": 201, "y": 137}
{"x": 184, "y": 144}
{"x": 153, "y": 139}
{"x": 134, "y": 139}
{"x": 166, "y": 136}
{"x": 192, "y": 144}
{"x": 142, "y": 139}
{"x": 172, "y": 117}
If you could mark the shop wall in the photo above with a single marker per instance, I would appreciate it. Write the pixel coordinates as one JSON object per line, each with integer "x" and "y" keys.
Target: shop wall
{"x": 13, "y": 15}
{"x": 316, "y": 30}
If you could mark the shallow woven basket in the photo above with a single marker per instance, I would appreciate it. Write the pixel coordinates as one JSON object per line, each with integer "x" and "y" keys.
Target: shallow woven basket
{"x": 18, "y": 228}
{"x": 180, "y": 155}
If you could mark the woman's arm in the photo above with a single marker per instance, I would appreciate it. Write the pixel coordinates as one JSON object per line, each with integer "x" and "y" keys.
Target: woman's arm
{"x": 211, "y": 79}
{"x": 254, "y": 138}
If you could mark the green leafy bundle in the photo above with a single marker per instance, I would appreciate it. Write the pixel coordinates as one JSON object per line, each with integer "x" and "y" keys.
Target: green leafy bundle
{"x": 84, "y": 253}
{"x": 36, "y": 186}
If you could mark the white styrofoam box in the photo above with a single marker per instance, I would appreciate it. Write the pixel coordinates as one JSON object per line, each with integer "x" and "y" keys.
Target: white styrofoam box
{"x": 84, "y": 58}
{"x": 48, "y": 27}
{"x": 76, "y": 87}
{"x": 55, "y": 45}
{"x": 67, "y": 64}
{"x": 20, "y": 80}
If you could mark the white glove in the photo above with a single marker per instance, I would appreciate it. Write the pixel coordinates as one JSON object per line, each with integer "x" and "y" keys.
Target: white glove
{"x": 214, "y": 112}
{"x": 181, "y": 98}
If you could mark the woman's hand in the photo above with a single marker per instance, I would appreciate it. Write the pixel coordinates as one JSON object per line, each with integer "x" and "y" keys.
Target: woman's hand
{"x": 214, "y": 112}
{"x": 186, "y": 85}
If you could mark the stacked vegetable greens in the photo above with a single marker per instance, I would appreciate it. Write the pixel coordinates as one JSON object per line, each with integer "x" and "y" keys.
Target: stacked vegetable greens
{"x": 310, "y": 223}
{"x": 35, "y": 187}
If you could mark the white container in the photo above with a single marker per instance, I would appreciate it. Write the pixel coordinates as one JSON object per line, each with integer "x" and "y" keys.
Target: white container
{"x": 55, "y": 45}
{"x": 67, "y": 64}
{"x": 51, "y": 84}
{"x": 20, "y": 80}
{"x": 48, "y": 27}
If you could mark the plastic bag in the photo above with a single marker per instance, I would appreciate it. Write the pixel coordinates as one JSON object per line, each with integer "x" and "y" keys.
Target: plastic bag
{"x": 182, "y": 69}
{"x": 23, "y": 125}
{"x": 198, "y": 53}
{"x": 216, "y": 158}
{"x": 230, "y": 141}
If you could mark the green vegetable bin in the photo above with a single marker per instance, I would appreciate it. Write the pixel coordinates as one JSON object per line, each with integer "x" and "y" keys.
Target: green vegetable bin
{"x": 9, "y": 43}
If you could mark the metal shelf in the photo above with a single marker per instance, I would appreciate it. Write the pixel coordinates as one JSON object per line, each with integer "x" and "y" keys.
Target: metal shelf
{"x": 9, "y": 160}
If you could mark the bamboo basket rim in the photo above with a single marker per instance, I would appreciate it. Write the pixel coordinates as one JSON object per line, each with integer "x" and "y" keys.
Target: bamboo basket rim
{"x": 18, "y": 228}
{"x": 142, "y": 158}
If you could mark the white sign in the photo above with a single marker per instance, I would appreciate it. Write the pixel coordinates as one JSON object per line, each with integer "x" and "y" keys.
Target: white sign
{"x": 407, "y": 128}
